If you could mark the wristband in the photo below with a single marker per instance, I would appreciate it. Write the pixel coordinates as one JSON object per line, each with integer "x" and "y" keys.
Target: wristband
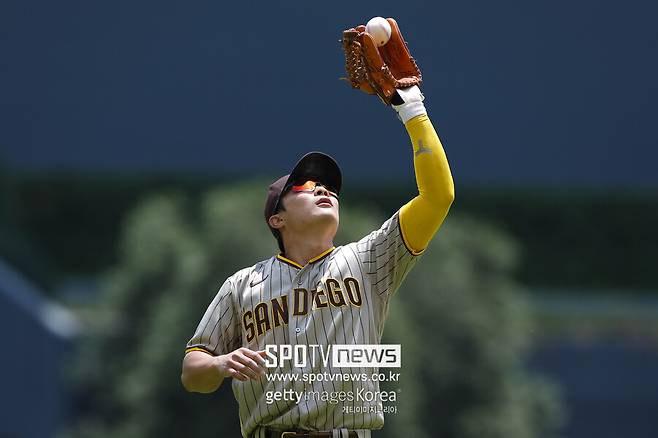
{"x": 412, "y": 103}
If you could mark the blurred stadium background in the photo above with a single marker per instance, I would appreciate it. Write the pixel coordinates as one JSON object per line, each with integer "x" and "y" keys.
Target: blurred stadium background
{"x": 137, "y": 141}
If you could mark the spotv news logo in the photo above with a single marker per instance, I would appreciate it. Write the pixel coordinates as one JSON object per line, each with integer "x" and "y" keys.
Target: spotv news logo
{"x": 338, "y": 355}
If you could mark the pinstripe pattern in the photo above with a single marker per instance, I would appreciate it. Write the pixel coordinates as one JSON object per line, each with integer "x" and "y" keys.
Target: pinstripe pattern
{"x": 372, "y": 269}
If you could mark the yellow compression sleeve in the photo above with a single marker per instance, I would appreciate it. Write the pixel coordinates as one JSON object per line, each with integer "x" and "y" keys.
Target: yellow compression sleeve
{"x": 421, "y": 217}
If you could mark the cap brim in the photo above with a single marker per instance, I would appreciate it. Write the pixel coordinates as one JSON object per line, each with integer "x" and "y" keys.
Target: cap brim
{"x": 318, "y": 166}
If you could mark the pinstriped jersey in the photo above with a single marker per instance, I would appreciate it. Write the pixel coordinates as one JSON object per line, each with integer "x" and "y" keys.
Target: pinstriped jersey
{"x": 340, "y": 297}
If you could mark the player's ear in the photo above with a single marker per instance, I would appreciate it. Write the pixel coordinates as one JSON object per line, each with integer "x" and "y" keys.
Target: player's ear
{"x": 276, "y": 221}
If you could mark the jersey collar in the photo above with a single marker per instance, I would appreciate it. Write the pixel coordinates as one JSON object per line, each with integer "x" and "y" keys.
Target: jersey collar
{"x": 313, "y": 260}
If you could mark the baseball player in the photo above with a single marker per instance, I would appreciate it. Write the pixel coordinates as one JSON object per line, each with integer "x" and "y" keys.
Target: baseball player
{"x": 318, "y": 295}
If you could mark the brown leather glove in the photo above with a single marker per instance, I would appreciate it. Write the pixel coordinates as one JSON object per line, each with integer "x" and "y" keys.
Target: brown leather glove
{"x": 379, "y": 70}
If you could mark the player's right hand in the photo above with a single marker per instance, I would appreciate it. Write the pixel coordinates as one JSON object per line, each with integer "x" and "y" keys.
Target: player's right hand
{"x": 242, "y": 364}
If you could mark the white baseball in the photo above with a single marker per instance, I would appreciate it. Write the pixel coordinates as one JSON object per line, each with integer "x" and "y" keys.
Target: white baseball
{"x": 379, "y": 29}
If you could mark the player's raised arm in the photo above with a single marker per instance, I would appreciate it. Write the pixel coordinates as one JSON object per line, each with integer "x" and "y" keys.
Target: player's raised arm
{"x": 378, "y": 61}
{"x": 421, "y": 217}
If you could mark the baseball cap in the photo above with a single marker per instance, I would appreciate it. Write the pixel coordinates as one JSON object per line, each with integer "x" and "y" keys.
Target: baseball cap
{"x": 314, "y": 166}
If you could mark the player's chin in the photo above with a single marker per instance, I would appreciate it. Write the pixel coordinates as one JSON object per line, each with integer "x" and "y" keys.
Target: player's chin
{"x": 326, "y": 211}
{"x": 326, "y": 216}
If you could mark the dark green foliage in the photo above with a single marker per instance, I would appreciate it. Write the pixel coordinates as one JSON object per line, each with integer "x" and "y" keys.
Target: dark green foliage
{"x": 596, "y": 241}
{"x": 53, "y": 227}
{"x": 461, "y": 325}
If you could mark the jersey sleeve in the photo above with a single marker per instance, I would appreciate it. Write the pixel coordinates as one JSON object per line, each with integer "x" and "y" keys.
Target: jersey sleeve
{"x": 218, "y": 332}
{"x": 386, "y": 257}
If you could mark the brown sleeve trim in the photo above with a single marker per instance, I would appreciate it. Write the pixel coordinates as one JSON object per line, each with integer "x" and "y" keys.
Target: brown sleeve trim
{"x": 203, "y": 350}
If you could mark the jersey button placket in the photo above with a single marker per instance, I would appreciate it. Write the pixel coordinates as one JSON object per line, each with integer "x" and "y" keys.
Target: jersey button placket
{"x": 298, "y": 319}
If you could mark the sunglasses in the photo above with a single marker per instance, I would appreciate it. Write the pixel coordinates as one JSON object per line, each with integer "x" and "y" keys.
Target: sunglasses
{"x": 298, "y": 187}
{"x": 310, "y": 186}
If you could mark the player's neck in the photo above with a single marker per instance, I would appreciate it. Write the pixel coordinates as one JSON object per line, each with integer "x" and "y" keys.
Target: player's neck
{"x": 301, "y": 249}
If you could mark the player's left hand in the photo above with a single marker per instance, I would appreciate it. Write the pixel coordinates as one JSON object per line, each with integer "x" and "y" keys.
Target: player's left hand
{"x": 379, "y": 70}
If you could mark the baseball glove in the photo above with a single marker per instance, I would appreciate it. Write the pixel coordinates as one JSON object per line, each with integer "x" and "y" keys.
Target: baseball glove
{"x": 379, "y": 70}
